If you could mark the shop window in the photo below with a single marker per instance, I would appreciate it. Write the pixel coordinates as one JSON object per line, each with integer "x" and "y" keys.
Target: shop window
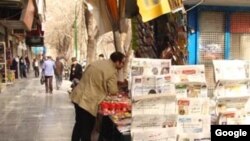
{"x": 240, "y": 35}
{"x": 211, "y": 42}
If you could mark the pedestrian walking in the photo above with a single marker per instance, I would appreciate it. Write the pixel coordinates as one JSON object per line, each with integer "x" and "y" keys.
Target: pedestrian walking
{"x": 58, "y": 73}
{"x": 35, "y": 65}
{"x": 22, "y": 67}
{"x": 48, "y": 70}
{"x": 75, "y": 72}
{"x": 98, "y": 80}
{"x": 14, "y": 66}
{"x": 27, "y": 61}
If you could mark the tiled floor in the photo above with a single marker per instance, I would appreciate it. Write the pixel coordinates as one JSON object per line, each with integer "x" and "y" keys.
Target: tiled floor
{"x": 28, "y": 114}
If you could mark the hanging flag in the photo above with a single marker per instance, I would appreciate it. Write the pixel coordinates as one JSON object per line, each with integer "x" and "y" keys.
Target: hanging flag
{"x": 151, "y": 9}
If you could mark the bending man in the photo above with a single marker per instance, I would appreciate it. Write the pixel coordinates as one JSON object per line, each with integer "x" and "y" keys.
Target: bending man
{"x": 98, "y": 80}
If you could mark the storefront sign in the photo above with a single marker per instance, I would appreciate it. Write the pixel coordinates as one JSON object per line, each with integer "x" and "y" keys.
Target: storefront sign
{"x": 38, "y": 50}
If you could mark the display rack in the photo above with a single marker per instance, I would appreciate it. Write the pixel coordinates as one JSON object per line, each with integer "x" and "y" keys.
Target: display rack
{"x": 231, "y": 93}
{"x": 3, "y": 69}
{"x": 179, "y": 113}
{"x": 154, "y": 103}
{"x": 192, "y": 102}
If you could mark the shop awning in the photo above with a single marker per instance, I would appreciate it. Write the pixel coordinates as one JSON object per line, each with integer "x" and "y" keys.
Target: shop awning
{"x": 14, "y": 17}
{"x": 34, "y": 41}
{"x": 219, "y": 2}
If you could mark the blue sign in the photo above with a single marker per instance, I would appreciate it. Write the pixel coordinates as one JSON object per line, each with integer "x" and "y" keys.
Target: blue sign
{"x": 38, "y": 50}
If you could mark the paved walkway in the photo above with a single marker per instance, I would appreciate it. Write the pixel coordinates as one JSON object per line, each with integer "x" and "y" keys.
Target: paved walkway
{"x": 27, "y": 113}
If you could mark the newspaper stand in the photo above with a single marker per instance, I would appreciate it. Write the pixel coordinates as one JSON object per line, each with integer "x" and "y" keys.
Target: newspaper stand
{"x": 192, "y": 102}
{"x": 153, "y": 100}
{"x": 231, "y": 93}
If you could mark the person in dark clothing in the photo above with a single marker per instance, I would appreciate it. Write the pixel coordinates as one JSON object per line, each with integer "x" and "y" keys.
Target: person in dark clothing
{"x": 35, "y": 65}
{"x": 75, "y": 72}
{"x": 14, "y": 66}
{"x": 27, "y": 61}
{"x": 22, "y": 68}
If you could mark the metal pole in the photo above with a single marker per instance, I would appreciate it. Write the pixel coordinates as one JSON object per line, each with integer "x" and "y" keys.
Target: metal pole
{"x": 75, "y": 27}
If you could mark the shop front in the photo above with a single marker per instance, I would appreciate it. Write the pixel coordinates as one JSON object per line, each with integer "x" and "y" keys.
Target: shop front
{"x": 220, "y": 32}
{"x": 15, "y": 19}
{"x": 159, "y": 41}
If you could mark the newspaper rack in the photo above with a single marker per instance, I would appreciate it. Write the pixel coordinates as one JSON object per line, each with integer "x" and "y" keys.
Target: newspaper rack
{"x": 231, "y": 92}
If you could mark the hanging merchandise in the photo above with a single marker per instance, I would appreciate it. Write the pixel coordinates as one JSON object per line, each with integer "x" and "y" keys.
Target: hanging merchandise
{"x": 171, "y": 37}
{"x": 151, "y": 9}
{"x": 176, "y": 5}
{"x": 3, "y": 70}
{"x": 145, "y": 43}
{"x": 164, "y": 37}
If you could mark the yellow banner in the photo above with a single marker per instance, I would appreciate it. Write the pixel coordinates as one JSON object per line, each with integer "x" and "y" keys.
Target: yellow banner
{"x": 150, "y": 9}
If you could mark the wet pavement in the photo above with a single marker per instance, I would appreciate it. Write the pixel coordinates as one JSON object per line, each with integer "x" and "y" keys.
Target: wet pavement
{"x": 27, "y": 113}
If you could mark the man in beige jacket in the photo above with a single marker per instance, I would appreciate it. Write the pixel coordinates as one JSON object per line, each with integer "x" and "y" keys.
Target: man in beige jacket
{"x": 98, "y": 80}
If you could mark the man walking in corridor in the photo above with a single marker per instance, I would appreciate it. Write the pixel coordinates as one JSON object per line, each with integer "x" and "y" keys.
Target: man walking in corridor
{"x": 48, "y": 70}
{"x": 98, "y": 80}
{"x": 58, "y": 73}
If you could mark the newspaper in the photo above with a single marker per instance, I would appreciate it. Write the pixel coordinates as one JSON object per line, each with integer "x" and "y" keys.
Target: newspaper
{"x": 224, "y": 69}
{"x": 194, "y": 137}
{"x": 190, "y": 124}
{"x": 188, "y": 74}
{"x": 169, "y": 103}
{"x": 154, "y": 121}
{"x": 154, "y": 106}
{"x": 154, "y": 134}
{"x": 142, "y": 66}
{"x": 234, "y": 116}
{"x": 235, "y": 90}
{"x": 193, "y": 106}
{"x": 239, "y": 121}
{"x": 191, "y": 90}
{"x": 147, "y": 85}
